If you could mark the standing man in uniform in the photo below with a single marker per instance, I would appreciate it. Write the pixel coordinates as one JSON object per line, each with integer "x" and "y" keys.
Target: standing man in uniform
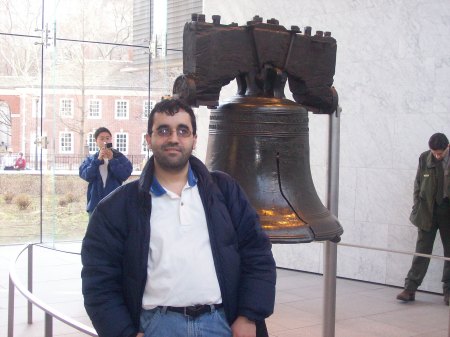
{"x": 430, "y": 213}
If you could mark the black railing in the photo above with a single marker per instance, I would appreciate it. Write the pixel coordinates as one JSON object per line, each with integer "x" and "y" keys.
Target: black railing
{"x": 72, "y": 162}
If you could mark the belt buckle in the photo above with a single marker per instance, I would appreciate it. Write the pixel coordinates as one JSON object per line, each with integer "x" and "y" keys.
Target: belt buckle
{"x": 193, "y": 311}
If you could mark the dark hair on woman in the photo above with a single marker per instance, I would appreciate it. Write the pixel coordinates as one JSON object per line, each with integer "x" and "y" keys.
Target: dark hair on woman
{"x": 438, "y": 141}
{"x": 170, "y": 107}
{"x": 99, "y": 131}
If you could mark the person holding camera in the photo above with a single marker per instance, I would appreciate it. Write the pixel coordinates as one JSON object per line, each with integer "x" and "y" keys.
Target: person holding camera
{"x": 105, "y": 170}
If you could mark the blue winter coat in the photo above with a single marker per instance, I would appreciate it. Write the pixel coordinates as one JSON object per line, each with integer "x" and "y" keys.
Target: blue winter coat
{"x": 119, "y": 170}
{"x": 115, "y": 252}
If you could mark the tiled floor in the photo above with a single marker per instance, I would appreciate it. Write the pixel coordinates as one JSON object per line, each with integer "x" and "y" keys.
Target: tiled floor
{"x": 362, "y": 309}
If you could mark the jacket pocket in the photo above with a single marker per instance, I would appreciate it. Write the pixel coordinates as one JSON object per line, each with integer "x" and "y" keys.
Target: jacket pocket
{"x": 421, "y": 215}
{"x": 413, "y": 217}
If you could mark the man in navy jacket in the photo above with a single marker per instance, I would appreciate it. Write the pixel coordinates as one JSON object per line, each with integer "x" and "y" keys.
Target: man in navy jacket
{"x": 180, "y": 252}
{"x": 105, "y": 170}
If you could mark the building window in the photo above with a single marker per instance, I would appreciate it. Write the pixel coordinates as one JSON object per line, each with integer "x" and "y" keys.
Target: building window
{"x": 144, "y": 144}
{"x": 122, "y": 142}
{"x": 145, "y": 148}
{"x": 148, "y": 107}
{"x": 92, "y": 145}
{"x": 66, "y": 107}
{"x": 121, "y": 109}
{"x": 95, "y": 108}
{"x": 66, "y": 142}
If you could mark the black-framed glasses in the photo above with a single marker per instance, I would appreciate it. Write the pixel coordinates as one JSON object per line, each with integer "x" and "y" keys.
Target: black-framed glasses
{"x": 165, "y": 131}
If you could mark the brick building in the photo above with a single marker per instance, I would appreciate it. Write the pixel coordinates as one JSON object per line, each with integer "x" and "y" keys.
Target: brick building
{"x": 75, "y": 103}
{"x": 55, "y": 124}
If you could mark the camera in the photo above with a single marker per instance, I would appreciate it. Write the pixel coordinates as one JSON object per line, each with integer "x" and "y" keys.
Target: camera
{"x": 108, "y": 145}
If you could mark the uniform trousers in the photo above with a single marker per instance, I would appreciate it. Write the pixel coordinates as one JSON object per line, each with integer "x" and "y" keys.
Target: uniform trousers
{"x": 424, "y": 245}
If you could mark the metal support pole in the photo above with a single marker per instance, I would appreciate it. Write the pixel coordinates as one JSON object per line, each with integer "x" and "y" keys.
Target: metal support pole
{"x": 48, "y": 325}
{"x": 30, "y": 282}
{"x": 330, "y": 248}
{"x": 11, "y": 309}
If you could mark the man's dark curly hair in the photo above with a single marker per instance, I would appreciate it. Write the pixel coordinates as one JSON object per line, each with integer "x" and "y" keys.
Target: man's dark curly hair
{"x": 170, "y": 107}
{"x": 100, "y": 130}
{"x": 438, "y": 141}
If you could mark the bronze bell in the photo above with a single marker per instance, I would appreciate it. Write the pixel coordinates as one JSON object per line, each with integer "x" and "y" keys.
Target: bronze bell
{"x": 260, "y": 137}
{"x": 264, "y": 144}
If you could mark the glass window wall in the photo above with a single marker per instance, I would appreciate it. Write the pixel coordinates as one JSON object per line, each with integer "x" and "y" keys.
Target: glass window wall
{"x": 68, "y": 67}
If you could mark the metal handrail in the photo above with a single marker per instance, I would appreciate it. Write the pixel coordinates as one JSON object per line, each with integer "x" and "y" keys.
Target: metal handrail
{"x": 50, "y": 312}
{"x": 394, "y": 251}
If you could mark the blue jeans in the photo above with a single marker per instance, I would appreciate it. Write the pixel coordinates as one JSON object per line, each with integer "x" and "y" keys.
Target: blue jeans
{"x": 157, "y": 323}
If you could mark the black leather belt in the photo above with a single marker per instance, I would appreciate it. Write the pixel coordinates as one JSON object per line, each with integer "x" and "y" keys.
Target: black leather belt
{"x": 194, "y": 310}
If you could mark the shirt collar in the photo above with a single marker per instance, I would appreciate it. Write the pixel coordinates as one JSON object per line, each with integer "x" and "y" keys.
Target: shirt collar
{"x": 446, "y": 159}
{"x": 158, "y": 190}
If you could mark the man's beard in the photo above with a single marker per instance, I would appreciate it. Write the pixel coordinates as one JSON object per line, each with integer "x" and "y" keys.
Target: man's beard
{"x": 169, "y": 163}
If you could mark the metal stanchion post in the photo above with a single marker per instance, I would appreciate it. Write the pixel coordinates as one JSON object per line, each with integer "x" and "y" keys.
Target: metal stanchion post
{"x": 11, "y": 309}
{"x": 448, "y": 331}
{"x": 330, "y": 248}
{"x": 30, "y": 282}
{"x": 48, "y": 325}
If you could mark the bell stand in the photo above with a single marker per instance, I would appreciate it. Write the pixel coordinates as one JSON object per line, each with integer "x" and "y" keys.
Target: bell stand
{"x": 330, "y": 248}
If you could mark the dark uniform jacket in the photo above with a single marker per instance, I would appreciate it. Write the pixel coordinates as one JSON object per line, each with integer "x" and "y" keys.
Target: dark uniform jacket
{"x": 115, "y": 253}
{"x": 119, "y": 170}
{"x": 425, "y": 188}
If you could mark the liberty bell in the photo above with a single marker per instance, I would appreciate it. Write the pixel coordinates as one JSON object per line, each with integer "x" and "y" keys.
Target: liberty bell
{"x": 259, "y": 137}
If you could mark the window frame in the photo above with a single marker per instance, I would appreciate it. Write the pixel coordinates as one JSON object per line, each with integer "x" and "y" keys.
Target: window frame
{"x": 118, "y": 143}
{"x": 72, "y": 142}
{"x": 62, "y": 107}
{"x": 147, "y": 107}
{"x": 90, "y": 141}
{"x": 89, "y": 115}
{"x": 116, "y": 107}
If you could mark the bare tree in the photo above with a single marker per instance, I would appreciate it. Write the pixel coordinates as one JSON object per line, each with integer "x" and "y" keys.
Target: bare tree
{"x": 91, "y": 21}
{"x": 5, "y": 119}
{"x": 19, "y": 56}
{"x": 86, "y": 31}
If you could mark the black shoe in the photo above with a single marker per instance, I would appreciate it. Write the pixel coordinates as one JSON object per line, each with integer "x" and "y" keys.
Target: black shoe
{"x": 407, "y": 296}
{"x": 446, "y": 296}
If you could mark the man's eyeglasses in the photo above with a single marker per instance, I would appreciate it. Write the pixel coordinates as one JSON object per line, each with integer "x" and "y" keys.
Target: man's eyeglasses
{"x": 165, "y": 131}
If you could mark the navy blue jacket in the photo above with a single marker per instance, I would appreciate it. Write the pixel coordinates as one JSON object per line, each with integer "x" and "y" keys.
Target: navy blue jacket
{"x": 115, "y": 251}
{"x": 119, "y": 170}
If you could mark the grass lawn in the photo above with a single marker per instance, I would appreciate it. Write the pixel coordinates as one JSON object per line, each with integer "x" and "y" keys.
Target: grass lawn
{"x": 63, "y": 205}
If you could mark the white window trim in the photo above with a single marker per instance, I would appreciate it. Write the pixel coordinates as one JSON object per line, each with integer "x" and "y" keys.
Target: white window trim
{"x": 115, "y": 108}
{"x": 71, "y": 105}
{"x": 61, "y": 151}
{"x": 99, "y": 108}
{"x": 87, "y": 142}
{"x": 152, "y": 104}
{"x": 144, "y": 147}
{"x": 127, "y": 143}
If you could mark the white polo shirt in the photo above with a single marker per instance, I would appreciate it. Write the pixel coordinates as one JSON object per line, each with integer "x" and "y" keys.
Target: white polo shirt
{"x": 180, "y": 269}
